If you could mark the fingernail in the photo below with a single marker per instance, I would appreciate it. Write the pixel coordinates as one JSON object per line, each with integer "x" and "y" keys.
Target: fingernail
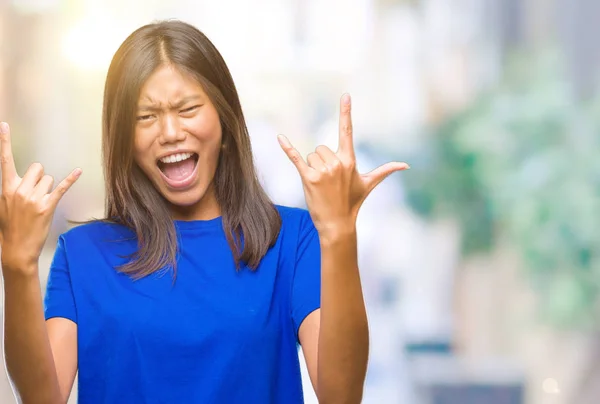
{"x": 3, "y": 127}
{"x": 283, "y": 140}
{"x": 77, "y": 172}
{"x": 346, "y": 99}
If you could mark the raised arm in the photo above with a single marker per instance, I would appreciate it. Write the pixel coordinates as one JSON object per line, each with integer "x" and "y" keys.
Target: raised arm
{"x": 40, "y": 357}
{"x": 335, "y": 339}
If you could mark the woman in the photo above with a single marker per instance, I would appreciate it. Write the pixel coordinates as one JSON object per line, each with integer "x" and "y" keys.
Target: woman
{"x": 195, "y": 288}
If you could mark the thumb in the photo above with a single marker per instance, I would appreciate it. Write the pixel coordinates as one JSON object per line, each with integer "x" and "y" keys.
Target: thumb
{"x": 375, "y": 177}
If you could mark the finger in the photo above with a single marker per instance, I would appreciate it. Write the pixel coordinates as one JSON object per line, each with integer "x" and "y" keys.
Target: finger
{"x": 7, "y": 162}
{"x": 375, "y": 177}
{"x": 327, "y": 155}
{"x": 315, "y": 161}
{"x": 43, "y": 187}
{"x": 32, "y": 176}
{"x": 346, "y": 145}
{"x": 293, "y": 155}
{"x": 55, "y": 196}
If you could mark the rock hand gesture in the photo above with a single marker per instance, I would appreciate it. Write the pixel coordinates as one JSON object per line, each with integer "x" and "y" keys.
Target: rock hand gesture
{"x": 27, "y": 206}
{"x": 333, "y": 188}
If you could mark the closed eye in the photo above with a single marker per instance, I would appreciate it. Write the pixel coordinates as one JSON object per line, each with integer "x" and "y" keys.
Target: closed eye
{"x": 144, "y": 117}
{"x": 190, "y": 109}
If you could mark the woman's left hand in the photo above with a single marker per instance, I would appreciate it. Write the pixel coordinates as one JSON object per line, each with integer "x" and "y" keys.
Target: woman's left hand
{"x": 333, "y": 188}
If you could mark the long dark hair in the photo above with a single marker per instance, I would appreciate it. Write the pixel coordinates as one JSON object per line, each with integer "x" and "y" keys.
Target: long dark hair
{"x": 250, "y": 220}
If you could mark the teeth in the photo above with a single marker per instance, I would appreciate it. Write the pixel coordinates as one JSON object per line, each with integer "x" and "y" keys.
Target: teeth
{"x": 174, "y": 158}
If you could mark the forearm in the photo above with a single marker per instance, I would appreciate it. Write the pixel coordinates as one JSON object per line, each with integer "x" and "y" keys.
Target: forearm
{"x": 27, "y": 348}
{"x": 344, "y": 335}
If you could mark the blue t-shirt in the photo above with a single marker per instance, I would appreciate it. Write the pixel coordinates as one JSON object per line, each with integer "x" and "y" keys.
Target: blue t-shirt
{"x": 215, "y": 335}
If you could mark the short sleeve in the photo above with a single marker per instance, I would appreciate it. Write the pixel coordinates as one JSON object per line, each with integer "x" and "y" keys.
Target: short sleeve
{"x": 306, "y": 288}
{"x": 59, "y": 300}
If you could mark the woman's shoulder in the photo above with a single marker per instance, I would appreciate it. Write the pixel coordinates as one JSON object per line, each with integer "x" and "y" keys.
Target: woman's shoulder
{"x": 295, "y": 219}
{"x": 87, "y": 243}
{"x": 292, "y": 216}
{"x": 292, "y": 213}
{"x": 95, "y": 230}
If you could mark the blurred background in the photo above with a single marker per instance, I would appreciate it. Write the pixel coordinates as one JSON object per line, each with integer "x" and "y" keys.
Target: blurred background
{"x": 481, "y": 264}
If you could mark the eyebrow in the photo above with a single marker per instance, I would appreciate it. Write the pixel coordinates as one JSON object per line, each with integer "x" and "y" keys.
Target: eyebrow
{"x": 155, "y": 106}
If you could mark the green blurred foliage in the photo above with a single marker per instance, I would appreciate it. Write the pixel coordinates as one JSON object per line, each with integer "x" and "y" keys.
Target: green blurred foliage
{"x": 523, "y": 164}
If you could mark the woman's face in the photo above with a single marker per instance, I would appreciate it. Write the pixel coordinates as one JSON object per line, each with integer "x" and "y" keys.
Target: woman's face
{"x": 178, "y": 142}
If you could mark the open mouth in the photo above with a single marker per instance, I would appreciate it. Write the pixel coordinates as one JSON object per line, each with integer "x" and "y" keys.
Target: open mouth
{"x": 179, "y": 170}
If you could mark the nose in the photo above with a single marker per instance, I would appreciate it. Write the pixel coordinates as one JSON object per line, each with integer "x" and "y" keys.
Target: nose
{"x": 171, "y": 130}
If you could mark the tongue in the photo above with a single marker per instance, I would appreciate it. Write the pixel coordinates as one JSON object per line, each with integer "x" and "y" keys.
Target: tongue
{"x": 180, "y": 170}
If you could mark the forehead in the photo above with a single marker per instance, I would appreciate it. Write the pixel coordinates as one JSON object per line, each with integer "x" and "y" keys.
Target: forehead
{"x": 168, "y": 84}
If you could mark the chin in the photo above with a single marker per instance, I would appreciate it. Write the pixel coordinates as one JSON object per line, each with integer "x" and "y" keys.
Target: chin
{"x": 185, "y": 199}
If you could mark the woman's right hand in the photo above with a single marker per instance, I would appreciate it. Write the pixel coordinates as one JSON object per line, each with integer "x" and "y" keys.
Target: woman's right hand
{"x": 27, "y": 206}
